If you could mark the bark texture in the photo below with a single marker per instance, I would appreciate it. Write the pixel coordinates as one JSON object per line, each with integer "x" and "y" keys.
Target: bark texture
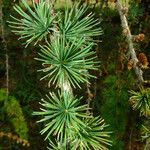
{"x": 127, "y": 33}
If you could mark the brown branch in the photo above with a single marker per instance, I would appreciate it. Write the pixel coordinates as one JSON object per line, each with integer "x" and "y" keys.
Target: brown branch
{"x": 4, "y": 45}
{"x": 16, "y": 138}
{"x": 127, "y": 33}
{"x": 89, "y": 98}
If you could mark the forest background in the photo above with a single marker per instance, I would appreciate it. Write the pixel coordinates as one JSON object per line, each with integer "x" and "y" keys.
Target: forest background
{"x": 110, "y": 91}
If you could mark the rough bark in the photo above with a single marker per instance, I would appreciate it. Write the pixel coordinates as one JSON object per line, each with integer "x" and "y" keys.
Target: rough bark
{"x": 127, "y": 33}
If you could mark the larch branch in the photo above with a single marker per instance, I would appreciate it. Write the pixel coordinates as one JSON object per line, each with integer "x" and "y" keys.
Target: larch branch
{"x": 126, "y": 29}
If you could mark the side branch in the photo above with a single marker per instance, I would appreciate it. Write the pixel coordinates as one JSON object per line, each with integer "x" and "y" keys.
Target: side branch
{"x": 128, "y": 35}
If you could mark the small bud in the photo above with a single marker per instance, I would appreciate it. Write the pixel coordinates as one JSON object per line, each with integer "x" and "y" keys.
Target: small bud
{"x": 130, "y": 64}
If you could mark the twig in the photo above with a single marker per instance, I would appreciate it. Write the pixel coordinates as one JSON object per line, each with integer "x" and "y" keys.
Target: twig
{"x": 89, "y": 98}
{"x": 128, "y": 35}
{"x": 16, "y": 138}
{"x": 5, "y": 46}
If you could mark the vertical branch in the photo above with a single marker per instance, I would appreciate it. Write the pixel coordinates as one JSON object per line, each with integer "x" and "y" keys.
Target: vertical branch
{"x": 138, "y": 71}
{"x": 127, "y": 32}
{"x": 89, "y": 97}
{"x": 67, "y": 87}
{"x": 4, "y": 45}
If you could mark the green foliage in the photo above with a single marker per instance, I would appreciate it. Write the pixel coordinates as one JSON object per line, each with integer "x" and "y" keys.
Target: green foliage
{"x": 135, "y": 12}
{"x": 57, "y": 145}
{"x": 145, "y": 133}
{"x": 93, "y": 136}
{"x": 67, "y": 62}
{"x": 41, "y": 23}
{"x": 66, "y": 58}
{"x": 141, "y": 101}
{"x": 76, "y": 24}
{"x": 115, "y": 106}
{"x": 62, "y": 113}
{"x": 15, "y": 114}
{"x": 35, "y": 25}
{"x": 70, "y": 123}
{"x": 3, "y": 95}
